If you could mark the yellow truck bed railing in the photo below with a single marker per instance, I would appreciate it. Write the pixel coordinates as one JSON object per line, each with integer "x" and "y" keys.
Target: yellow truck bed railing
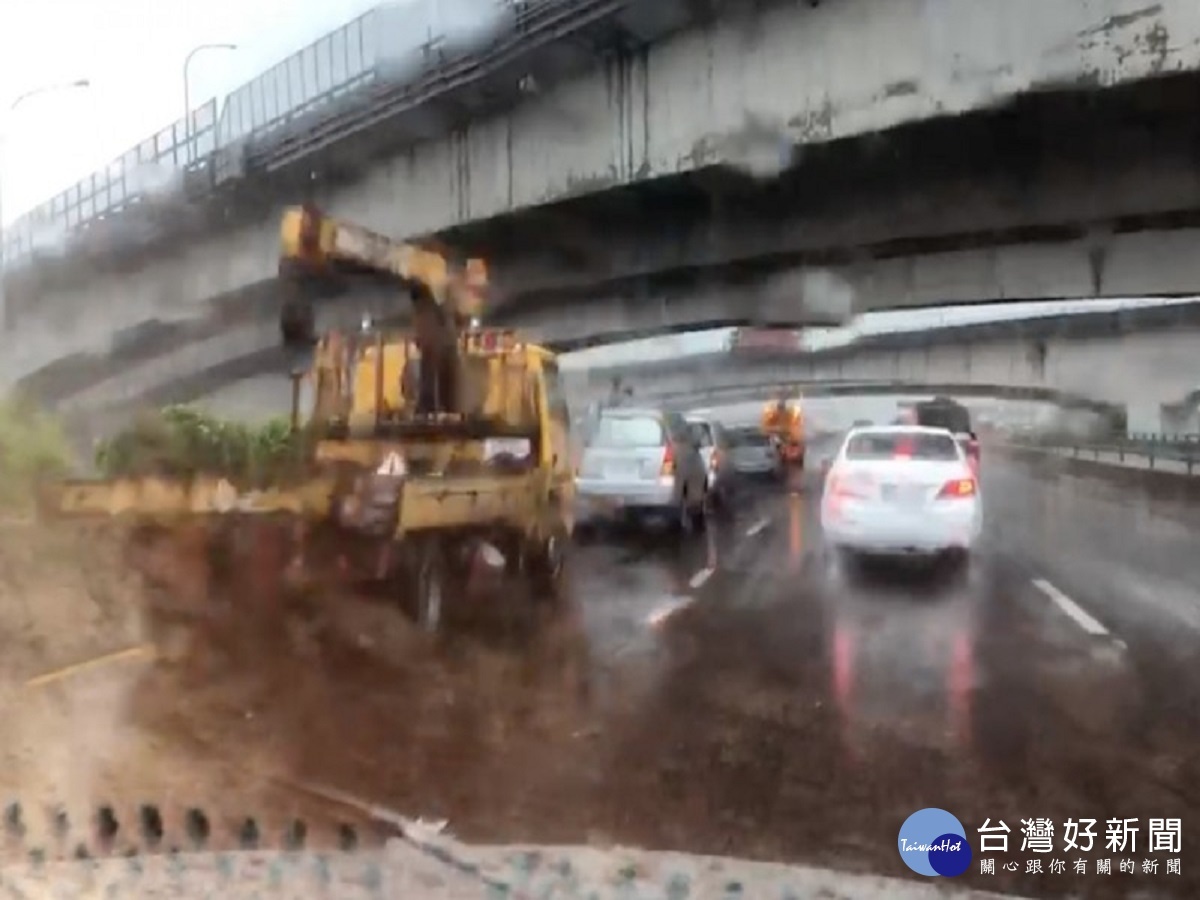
{"x": 160, "y": 498}
{"x": 425, "y": 502}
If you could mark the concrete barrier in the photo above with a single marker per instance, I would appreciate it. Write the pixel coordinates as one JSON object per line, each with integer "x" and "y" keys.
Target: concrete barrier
{"x": 1053, "y": 462}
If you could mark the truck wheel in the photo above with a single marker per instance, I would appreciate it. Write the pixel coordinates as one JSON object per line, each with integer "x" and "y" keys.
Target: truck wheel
{"x": 547, "y": 567}
{"x": 430, "y": 586}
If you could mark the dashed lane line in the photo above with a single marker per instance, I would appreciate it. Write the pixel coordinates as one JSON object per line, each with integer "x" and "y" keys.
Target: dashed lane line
{"x": 697, "y": 581}
{"x": 758, "y": 526}
{"x": 1073, "y": 610}
{"x": 659, "y": 616}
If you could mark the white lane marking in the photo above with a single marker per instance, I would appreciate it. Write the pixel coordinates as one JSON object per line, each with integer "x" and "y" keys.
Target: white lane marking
{"x": 1077, "y": 613}
{"x": 700, "y": 577}
{"x": 658, "y": 616}
{"x": 758, "y": 526}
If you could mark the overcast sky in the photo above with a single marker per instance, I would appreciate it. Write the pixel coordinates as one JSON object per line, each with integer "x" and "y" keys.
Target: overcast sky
{"x": 132, "y": 51}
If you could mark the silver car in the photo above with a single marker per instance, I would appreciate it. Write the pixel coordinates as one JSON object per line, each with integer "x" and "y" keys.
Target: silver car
{"x": 715, "y": 451}
{"x": 643, "y": 463}
{"x": 754, "y": 454}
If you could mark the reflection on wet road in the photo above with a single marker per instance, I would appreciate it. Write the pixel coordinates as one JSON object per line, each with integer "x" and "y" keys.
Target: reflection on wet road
{"x": 799, "y": 711}
{"x": 741, "y": 694}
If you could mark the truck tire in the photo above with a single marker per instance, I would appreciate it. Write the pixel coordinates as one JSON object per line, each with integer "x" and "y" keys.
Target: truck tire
{"x": 432, "y": 583}
{"x": 547, "y": 569}
{"x": 429, "y": 589}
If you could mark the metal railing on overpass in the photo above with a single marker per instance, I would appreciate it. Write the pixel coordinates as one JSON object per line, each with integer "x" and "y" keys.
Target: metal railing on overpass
{"x": 715, "y": 396}
{"x": 343, "y": 82}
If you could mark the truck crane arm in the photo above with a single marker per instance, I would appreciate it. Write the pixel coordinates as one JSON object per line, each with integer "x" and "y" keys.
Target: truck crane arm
{"x": 313, "y": 246}
{"x": 444, "y": 298}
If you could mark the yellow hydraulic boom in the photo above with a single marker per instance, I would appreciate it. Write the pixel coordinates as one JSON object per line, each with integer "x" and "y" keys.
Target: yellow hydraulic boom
{"x": 445, "y": 297}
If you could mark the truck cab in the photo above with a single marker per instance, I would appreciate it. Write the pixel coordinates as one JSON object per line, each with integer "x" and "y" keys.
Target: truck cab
{"x": 783, "y": 422}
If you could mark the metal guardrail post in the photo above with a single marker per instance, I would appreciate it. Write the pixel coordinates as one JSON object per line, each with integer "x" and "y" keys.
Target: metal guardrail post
{"x": 1156, "y": 449}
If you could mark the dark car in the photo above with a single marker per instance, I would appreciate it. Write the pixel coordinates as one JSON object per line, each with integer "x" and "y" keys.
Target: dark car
{"x": 944, "y": 412}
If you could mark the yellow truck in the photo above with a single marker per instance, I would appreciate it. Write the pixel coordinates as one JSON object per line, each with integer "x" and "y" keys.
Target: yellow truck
{"x": 783, "y": 422}
{"x": 427, "y": 445}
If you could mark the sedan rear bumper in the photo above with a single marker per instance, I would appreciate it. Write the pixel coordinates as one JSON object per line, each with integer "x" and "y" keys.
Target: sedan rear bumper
{"x": 601, "y": 500}
{"x": 877, "y": 532}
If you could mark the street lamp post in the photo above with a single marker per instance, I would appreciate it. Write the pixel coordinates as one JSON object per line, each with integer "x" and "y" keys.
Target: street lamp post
{"x": 21, "y": 98}
{"x": 187, "y": 91}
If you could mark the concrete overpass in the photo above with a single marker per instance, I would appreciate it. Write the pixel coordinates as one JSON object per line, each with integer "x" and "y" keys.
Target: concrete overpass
{"x": 1140, "y": 361}
{"x": 1144, "y": 362}
{"x": 250, "y": 375}
{"x": 618, "y": 200}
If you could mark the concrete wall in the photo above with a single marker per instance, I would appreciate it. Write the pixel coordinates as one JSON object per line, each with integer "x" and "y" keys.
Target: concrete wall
{"x": 735, "y": 92}
{"x": 742, "y": 89}
{"x": 1148, "y": 262}
{"x": 1143, "y": 372}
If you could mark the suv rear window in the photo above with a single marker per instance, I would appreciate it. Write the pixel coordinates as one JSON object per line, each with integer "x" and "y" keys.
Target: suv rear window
{"x": 915, "y": 445}
{"x": 628, "y": 431}
{"x": 749, "y": 439}
{"x": 947, "y": 414}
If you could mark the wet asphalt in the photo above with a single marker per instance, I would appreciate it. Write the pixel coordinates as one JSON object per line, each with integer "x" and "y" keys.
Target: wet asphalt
{"x": 738, "y": 692}
{"x": 810, "y": 710}
{"x": 789, "y": 709}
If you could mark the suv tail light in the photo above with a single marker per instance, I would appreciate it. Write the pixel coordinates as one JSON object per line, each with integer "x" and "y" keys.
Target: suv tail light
{"x": 958, "y": 488}
{"x": 715, "y": 461}
{"x": 668, "y": 463}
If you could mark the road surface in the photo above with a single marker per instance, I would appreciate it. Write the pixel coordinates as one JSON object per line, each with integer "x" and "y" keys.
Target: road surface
{"x": 739, "y": 695}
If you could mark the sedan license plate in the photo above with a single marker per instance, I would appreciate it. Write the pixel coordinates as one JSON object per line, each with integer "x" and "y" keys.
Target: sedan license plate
{"x": 620, "y": 470}
{"x": 903, "y": 494}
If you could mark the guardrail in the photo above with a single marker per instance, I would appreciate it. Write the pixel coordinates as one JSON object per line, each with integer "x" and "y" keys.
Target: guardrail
{"x": 1150, "y": 451}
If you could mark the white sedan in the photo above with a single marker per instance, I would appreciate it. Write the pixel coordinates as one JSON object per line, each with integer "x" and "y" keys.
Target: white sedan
{"x": 901, "y": 490}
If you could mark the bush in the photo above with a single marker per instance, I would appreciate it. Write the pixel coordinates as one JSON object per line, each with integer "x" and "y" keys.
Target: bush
{"x": 33, "y": 445}
{"x": 183, "y": 441}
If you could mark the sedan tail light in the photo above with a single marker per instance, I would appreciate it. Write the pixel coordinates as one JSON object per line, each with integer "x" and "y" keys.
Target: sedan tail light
{"x": 957, "y": 489}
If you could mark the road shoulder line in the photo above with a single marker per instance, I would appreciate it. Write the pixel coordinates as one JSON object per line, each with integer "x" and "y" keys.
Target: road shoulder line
{"x": 1073, "y": 610}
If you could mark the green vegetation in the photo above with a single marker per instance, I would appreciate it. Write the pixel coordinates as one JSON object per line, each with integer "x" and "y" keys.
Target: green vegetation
{"x": 183, "y": 441}
{"x": 33, "y": 445}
